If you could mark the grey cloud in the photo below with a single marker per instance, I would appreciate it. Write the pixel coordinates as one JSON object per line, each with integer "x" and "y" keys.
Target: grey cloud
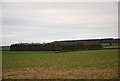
{"x": 36, "y": 22}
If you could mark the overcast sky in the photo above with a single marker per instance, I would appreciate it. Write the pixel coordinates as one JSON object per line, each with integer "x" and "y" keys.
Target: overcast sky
{"x": 46, "y": 22}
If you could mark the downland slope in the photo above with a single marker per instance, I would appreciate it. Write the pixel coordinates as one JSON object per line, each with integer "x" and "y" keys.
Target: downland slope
{"x": 92, "y": 64}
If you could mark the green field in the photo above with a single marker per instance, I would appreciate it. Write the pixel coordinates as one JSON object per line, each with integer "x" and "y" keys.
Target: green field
{"x": 93, "y": 64}
{"x": 114, "y": 45}
{"x": 111, "y": 47}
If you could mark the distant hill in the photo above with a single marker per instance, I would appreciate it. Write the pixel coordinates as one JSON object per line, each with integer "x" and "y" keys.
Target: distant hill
{"x": 107, "y": 40}
{"x": 101, "y": 41}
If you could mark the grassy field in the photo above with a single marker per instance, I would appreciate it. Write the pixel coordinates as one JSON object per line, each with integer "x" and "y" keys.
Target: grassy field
{"x": 111, "y": 47}
{"x": 94, "y": 64}
{"x": 114, "y": 45}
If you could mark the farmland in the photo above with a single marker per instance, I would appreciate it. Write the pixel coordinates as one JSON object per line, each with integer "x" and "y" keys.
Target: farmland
{"x": 89, "y": 64}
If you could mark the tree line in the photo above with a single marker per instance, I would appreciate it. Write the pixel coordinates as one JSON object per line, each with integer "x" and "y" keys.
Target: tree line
{"x": 55, "y": 46}
{"x": 105, "y": 40}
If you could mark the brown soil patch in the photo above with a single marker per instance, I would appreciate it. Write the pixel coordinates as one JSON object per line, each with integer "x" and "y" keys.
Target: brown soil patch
{"x": 113, "y": 50}
{"x": 44, "y": 73}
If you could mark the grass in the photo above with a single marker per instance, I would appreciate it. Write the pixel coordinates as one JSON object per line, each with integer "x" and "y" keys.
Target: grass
{"x": 111, "y": 47}
{"x": 114, "y": 45}
{"x": 68, "y": 65}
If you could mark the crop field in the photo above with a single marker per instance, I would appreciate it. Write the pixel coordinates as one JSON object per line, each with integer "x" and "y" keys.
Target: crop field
{"x": 114, "y": 45}
{"x": 91, "y": 64}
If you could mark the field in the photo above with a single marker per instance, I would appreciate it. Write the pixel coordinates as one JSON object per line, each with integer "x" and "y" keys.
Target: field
{"x": 4, "y": 48}
{"x": 114, "y": 45}
{"x": 91, "y": 64}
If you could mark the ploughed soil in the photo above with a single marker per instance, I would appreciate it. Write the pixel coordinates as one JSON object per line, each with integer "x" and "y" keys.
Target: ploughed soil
{"x": 45, "y": 73}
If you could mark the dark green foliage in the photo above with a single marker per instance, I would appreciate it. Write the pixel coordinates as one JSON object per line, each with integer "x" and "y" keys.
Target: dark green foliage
{"x": 55, "y": 46}
{"x": 4, "y": 48}
{"x": 105, "y": 40}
